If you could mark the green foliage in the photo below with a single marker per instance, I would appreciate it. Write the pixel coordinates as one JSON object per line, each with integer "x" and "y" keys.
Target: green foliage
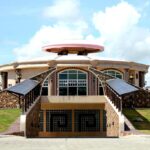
{"x": 143, "y": 114}
{"x": 7, "y": 117}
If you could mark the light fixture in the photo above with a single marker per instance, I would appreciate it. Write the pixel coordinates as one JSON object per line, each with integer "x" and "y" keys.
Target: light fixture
{"x": 131, "y": 77}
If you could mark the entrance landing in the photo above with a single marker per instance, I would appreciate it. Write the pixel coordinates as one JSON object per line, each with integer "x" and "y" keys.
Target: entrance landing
{"x": 73, "y": 99}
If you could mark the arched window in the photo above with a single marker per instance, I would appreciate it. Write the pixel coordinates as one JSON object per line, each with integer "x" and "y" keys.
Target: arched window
{"x": 114, "y": 73}
{"x": 72, "y": 82}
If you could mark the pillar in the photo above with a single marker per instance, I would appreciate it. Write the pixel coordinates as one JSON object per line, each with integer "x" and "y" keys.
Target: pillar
{"x": 4, "y": 78}
{"x": 141, "y": 79}
{"x": 126, "y": 75}
{"x": 18, "y": 75}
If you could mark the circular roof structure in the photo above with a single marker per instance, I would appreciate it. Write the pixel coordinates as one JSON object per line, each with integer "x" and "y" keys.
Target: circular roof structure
{"x": 80, "y": 49}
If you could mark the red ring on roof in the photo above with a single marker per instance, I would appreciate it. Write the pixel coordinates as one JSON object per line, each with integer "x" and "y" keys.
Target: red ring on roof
{"x": 73, "y": 48}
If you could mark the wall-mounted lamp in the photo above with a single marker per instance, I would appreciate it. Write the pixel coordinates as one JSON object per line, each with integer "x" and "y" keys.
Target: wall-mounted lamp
{"x": 131, "y": 76}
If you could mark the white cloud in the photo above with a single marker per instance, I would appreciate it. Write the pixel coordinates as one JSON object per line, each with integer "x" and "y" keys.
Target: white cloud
{"x": 63, "y": 9}
{"x": 117, "y": 26}
{"x": 48, "y": 35}
{"x": 116, "y": 20}
{"x": 123, "y": 38}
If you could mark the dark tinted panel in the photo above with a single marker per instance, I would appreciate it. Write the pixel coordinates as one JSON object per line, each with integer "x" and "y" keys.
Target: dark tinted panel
{"x": 101, "y": 92}
{"x": 63, "y": 91}
{"x": 72, "y": 90}
{"x": 44, "y": 91}
{"x": 82, "y": 91}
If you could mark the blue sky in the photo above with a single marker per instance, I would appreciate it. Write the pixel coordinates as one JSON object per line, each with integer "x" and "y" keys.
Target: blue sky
{"x": 122, "y": 26}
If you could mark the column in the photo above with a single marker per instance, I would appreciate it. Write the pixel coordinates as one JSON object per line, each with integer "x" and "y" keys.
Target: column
{"x": 18, "y": 75}
{"x": 141, "y": 79}
{"x": 126, "y": 75}
{"x": 4, "y": 77}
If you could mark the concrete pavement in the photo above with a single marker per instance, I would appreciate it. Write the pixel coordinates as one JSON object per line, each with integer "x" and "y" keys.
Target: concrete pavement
{"x": 137, "y": 142}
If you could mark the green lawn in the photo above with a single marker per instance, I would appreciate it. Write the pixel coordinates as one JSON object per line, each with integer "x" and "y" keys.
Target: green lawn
{"x": 144, "y": 114}
{"x": 7, "y": 117}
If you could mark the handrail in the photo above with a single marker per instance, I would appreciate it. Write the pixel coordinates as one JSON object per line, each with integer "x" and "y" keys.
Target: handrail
{"x": 114, "y": 97}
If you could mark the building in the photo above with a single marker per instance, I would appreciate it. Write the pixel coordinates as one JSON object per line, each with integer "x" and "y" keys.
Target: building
{"x": 73, "y": 95}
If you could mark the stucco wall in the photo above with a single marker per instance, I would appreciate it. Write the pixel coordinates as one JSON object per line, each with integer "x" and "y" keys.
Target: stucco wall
{"x": 11, "y": 78}
{"x": 112, "y": 121}
{"x": 28, "y": 73}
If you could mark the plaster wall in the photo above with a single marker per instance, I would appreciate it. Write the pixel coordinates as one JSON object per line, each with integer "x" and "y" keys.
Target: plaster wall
{"x": 11, "y": 78}
{"x": 28, "y": 73}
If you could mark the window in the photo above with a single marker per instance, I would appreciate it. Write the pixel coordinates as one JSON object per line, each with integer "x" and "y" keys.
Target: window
{"x": 45, "y": 88}
{"x": 101, "y": 92}
{"x": 72, "y": 82}
{"x": 114, "y": 73}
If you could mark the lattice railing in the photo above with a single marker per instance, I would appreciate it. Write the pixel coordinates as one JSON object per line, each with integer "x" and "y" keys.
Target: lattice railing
{"x": 34, "y": 93}
{"x": 102, "y": 76}
{"x": 113, "y": 96}
{"x": 42, "y": 76}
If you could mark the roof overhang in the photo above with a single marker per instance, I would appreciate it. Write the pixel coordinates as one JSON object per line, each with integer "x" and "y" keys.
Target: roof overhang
{"x": 73, "y": 48}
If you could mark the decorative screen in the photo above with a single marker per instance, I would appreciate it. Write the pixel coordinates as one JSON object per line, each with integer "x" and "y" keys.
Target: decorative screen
{"x": 41, "y": 121}
{"x": 87, "y": 120}
{"x": 58, "y": 120}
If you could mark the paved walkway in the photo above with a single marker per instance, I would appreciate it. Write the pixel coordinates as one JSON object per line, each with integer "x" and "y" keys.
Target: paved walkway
{"x": 123, "y": 143}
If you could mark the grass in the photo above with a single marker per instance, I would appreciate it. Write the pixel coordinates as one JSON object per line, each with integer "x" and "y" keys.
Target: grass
{"x": 7, "y": 117}
{"x": 144, "y": 114}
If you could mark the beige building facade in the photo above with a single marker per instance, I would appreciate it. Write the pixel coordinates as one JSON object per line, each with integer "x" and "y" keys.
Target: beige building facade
{"x": 73, "y": 94}
{"x": 129, "y": 71}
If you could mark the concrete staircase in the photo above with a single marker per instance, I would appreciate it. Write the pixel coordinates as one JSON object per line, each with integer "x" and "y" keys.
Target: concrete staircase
{"x": 120, "y": 115}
